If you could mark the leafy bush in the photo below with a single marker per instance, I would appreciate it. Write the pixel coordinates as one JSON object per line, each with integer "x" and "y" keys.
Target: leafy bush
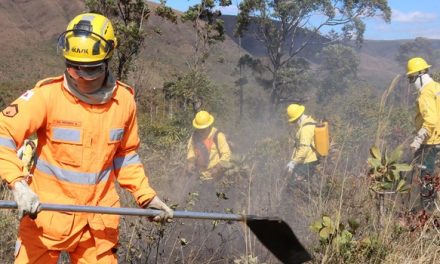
{"x": 339, "y": 244}
{"x": 163, "y": 135}
{"x": 385, "y": 171}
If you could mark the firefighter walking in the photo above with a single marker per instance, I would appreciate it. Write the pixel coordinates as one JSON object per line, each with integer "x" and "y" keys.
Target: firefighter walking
{"x": 304, "y": 156}
{"x": 426, "y": 143}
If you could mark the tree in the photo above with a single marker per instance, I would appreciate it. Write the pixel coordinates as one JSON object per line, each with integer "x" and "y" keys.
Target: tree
{"x": 245, "y": 61}
{"x": 286, "y": 27}
{"x": 340, "y": 65}
{"x": 208, "y": 27}
{"x": 194, "y": 87}
{"x": 190, "y": 89}
{"x": 128, "y": 17}
{"x": 295, "y": 80}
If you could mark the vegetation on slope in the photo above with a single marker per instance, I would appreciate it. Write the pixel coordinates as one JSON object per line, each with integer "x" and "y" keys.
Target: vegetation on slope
{"x": 338, "y": 200}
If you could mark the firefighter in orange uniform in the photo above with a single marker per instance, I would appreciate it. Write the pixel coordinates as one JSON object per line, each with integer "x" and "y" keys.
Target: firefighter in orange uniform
{"x": 86, "y": 126}
{"x": 208, "y": 150}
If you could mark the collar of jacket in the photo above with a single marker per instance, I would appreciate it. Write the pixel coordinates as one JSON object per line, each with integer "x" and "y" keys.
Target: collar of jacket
{"x": 305, "y": 120}
{"x": 302, "y": 119}
{"x": 99, "y": 108}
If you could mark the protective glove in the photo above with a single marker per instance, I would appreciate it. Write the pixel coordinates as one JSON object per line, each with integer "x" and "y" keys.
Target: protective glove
{"x": 205, "y": 175}
{"x": 290, "y": 166}
{"x": 166, "y": 213}
{"x": 216, "y": 170}
{"x": 418, "y": 139}
{"x": 27, "y": 201}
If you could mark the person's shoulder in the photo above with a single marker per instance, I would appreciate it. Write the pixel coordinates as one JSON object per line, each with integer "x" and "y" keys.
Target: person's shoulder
{"x": 431, "y": 87}
{"x": 44, "y": 87}
{"x": 125, "y": 87}
{"x": 311, "y": 119}
{"x": 215, "y": 131}
{"x": 428, "y": 92}
{"x": 219, "y": 133}
{"x": 49, "y": 81}
{"x": 436, "y": 85}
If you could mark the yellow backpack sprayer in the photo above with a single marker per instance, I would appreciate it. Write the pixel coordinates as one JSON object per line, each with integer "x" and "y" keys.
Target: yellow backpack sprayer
{"x": 322, "y": 138}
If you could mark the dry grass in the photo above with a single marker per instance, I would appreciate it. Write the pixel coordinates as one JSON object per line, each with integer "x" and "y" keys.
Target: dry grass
{"x": 339, "y": 190}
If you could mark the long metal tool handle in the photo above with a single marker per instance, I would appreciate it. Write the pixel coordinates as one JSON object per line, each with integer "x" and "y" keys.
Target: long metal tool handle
{"x": 129, "y": 211}
{"x": 273, "y": 233}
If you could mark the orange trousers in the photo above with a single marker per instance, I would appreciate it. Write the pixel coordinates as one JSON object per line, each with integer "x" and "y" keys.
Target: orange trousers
{"x": 85, "y": 252}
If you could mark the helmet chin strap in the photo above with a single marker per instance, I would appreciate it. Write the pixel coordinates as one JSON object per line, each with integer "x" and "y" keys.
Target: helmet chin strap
{"x": 422, "y": 80}
{"x": 301, "y": 119}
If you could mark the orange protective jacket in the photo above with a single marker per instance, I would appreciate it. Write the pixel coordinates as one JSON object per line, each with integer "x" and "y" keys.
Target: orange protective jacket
{"x": 211, "y": 154}
{"x": 82, "y": 150}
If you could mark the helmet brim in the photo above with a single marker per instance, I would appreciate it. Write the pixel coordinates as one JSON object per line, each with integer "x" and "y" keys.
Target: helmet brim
{"x": 416, "y": 71}
{"x": 197, "y": 126}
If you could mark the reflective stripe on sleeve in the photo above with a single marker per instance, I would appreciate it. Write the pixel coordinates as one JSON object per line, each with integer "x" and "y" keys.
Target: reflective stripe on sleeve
{"x": 126, "y": 160}
{"x": 8, "y": 142}
{"x": 66, "y": 134}
{"x": 116, "y": 134}
{"x": 73, "y": 176}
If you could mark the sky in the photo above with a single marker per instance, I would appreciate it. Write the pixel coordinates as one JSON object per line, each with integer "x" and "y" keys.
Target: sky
{"x": 410, "y": 19}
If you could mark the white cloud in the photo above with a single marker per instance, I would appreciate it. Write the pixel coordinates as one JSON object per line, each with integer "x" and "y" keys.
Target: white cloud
{"x": 229, "y": 10}
{"x": 412, "y": 17}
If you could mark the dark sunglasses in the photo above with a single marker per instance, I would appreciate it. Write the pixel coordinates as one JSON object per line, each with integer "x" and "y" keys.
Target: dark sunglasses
{"x": 413, "y": 78}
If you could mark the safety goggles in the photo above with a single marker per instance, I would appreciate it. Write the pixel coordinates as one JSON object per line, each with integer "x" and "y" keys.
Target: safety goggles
{"x": 413, "y": 78}
{"x": 87, "y": 72}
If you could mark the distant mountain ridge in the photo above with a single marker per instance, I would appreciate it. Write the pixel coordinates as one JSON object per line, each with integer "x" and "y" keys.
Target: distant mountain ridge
{"x": 29, "y": 30}
{"x": 377, "y": 57}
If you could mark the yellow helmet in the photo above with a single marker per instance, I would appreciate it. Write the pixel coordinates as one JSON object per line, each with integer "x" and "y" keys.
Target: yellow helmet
{"x": 88, "y": 38}
{"x": 202, "y": 120}
{"x": 415, "y": 65}
{"x": 294, "y": 111}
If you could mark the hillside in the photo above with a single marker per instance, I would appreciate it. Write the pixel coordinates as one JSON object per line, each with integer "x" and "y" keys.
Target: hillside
{"x": 29, "y": 45}
{"x": 28, "y": 40}
{"x": 256, "y": 181}
{"x": 26, "y": 21}
{"x": 371, "y": 54}
{"x": 29, "y": 30}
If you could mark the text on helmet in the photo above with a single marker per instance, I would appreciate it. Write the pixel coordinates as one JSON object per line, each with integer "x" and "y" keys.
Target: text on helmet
{"x": 79, "y": 50}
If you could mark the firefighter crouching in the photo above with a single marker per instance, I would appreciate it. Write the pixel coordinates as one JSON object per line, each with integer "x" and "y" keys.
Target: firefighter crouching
{"x": 208, "y": 149}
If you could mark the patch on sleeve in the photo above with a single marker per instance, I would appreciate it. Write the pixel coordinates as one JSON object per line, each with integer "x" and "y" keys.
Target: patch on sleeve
{"x": 11, "y": 110}
{"x": 27, "y": 95}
